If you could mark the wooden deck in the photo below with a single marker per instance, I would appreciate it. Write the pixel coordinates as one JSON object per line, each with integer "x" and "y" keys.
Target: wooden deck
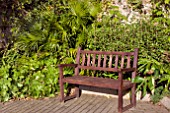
{"x": 84, "y": 104}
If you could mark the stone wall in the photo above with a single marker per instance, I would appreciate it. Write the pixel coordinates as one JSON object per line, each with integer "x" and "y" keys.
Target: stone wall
{"x": 127, "y": 9}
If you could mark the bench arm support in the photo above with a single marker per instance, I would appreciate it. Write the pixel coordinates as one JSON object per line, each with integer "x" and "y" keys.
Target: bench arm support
{"x": 122, "y": 70}
{"x": 61, "y": 66}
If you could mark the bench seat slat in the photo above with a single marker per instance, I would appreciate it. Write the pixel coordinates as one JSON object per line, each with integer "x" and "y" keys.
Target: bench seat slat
{"x": 97, "y": 82}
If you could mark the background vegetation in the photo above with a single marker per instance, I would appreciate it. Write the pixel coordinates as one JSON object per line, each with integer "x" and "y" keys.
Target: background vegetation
{"x": 46, "y": 33}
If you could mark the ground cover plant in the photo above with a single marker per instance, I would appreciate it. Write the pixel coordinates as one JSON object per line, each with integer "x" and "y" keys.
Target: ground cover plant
{"x": 46, "y": 33}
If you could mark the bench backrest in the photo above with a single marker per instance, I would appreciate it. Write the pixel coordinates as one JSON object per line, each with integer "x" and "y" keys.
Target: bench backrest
{"x": 105, "y": 60}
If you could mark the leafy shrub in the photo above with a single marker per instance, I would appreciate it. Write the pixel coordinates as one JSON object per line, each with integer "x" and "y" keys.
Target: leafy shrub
{"x": 157, "y": 95}
{"x": 151, "y": 40}
{"x": 47, "y": 36}
{"x": 23, "y": 76}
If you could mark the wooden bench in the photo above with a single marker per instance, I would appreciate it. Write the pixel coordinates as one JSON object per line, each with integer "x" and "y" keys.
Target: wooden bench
{"x": 121, "y": 63}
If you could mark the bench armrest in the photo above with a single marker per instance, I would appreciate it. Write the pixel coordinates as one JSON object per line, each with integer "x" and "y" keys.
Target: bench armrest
{"x": 67, "y": 65}
{"x": 127, "y": 69}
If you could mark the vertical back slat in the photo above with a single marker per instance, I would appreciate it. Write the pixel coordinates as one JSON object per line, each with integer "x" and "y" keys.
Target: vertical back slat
{"x": 107, "y": 59}
{"x": 83, "y": 59}
{"x": 110, "y": 61}
{"x": 135, "y": 62}
{"x": 116, "y": 61}
{"x": 77, "y": 61}
{"x": 128, "y": 61}
{"x": 88, "y": 60}
{"x": 99, "y": 60}
{"x": 94, "y": 59}
{"x": 122, "y": 61}
{"x": 104, "y": 62}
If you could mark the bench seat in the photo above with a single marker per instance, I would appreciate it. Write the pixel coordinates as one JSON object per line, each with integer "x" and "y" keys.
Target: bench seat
{"x": 97, "y": 82}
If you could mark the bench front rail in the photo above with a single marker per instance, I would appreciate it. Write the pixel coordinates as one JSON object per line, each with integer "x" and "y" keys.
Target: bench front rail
{"x": 107, "y": 61}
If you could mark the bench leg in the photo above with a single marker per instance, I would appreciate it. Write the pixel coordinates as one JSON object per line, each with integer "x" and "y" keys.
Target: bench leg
{"x": 61, "y": 92}
{"x": 120, "y": 101}
{"x": 77, "y": 91}
{"x": 133, "y": 98}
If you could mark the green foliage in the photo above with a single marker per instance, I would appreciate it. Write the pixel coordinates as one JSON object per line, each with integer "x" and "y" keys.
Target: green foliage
{"x": 152, "y": 42}
{"x": 52, "y": 26}
{"x": 144, "y": 84}
{"x": 136, "y": 5}
{"x": 10, "y": 11}
{"x": 157, "y": 95}
{"x": 152, "y": 71}
{"x": 22, "y": 76}
{"x": 47, "y": 35}
{"x": 161, "y": 13}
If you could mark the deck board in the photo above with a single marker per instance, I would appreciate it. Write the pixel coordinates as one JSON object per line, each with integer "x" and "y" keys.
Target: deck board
{"x": 84, "y": 104}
